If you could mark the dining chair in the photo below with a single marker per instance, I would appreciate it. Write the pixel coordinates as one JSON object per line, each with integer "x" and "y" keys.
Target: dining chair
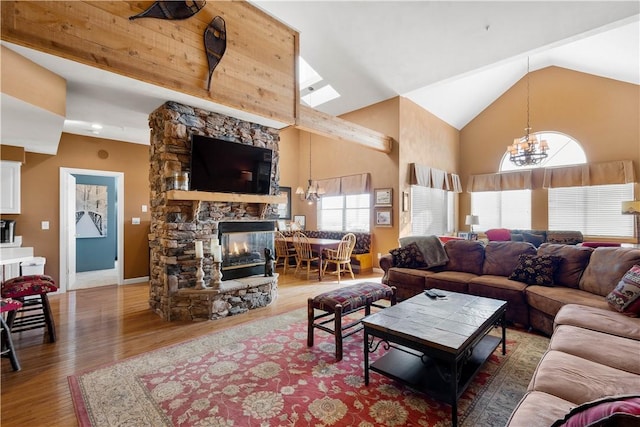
{"x": 341, "y": 257}
{"x": 283, "y": 251}
{"x": 304, "y": 254}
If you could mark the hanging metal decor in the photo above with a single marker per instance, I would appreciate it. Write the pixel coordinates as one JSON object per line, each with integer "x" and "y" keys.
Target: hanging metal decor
{"x": 215, "y": 44}
{"x": 171, "y": 10}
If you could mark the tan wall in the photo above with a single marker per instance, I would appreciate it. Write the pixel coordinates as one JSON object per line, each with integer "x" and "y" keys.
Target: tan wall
{"x": 333, "y": 158}
{"x": 426, "y": 140}
{"x": 603, "y": 115}
{"x": 41, "y": 197}
{"x": 27, "y": 81}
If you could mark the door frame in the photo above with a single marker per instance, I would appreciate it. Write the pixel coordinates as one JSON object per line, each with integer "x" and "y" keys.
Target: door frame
{"x": 66, "y": 228}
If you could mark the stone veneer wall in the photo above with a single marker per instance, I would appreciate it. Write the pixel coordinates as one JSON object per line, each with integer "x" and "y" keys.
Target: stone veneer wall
{"x": 173, "y": 225}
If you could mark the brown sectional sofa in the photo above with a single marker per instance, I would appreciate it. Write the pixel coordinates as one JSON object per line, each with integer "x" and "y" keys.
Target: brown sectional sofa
{"x": 594, "y": 353}
{"x": 584, "y": 276}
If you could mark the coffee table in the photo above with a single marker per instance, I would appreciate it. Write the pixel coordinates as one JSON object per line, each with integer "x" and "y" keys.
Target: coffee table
{"x": 435, "y": 345}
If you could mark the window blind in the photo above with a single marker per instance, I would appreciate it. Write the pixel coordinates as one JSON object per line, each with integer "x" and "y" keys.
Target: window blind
{"x": 430, "y": 211}
{"x": 593, "y": 210}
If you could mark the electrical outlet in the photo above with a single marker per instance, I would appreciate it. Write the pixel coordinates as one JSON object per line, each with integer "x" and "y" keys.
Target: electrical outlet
{"x": 44, "y": 225}
{"x": 144, "y": 208}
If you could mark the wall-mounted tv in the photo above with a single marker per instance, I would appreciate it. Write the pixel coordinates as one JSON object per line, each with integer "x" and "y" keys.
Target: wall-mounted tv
{"x": 229, "y": 167}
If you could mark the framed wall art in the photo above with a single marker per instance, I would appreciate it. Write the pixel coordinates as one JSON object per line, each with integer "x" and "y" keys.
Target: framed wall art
{"x": 284, "y": 209}
{"x": 384, "y": 218}
{"x": 383, "y": 196}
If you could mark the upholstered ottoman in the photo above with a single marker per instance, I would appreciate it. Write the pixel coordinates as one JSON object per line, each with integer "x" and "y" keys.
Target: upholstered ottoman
{"x": 335, "y": 304}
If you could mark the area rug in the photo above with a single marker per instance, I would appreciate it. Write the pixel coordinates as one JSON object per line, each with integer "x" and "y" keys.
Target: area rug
{"x": 263, "y": 374}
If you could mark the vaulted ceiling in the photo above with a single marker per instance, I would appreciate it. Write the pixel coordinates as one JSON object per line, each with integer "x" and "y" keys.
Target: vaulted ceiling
{"x": 452, "y": 58}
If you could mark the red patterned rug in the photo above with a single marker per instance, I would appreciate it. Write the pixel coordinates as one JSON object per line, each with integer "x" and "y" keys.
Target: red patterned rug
{"x": 263, "y": 374}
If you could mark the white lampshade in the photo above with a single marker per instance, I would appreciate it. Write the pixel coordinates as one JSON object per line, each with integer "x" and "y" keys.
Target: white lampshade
{"x": 472, "y": 220}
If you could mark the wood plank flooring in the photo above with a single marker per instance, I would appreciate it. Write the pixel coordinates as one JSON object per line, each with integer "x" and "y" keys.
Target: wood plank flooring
{"x": 103, "y": 325}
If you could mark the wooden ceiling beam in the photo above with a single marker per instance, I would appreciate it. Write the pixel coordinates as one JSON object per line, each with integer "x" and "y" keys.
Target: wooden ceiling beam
{"x": 319, "y": 123}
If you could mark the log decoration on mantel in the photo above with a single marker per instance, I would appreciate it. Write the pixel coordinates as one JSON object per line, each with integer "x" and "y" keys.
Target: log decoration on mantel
{"x": 215, "y": 44}
{"x": 171, "y": 10}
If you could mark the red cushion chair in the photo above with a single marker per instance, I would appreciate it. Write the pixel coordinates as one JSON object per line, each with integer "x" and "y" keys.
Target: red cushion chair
{"x": 35, "y": 313}
{"x": 6, "y": 344}
{"x": 498, "y": 234}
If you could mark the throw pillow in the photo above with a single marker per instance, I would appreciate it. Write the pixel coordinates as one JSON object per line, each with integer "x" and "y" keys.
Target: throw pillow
{"x": 609, "y": 411}
{"x": 408, "y": 256}
{"x": 536, "y": 269}
{"x": 498, "y": 234}
{"x": 535, "y": 239}
{"x": 625, "y": 297}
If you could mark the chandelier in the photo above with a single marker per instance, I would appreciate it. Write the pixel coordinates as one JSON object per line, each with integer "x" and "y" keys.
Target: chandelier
{"x": 313, "y": 192}
{"x": 527, "y": 150}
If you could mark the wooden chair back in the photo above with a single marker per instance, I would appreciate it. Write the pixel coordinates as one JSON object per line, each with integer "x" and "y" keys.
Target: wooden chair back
{"x": 302, "y": 246}
{"x": 345, "y": 248}
{"x": 282, "y": 248}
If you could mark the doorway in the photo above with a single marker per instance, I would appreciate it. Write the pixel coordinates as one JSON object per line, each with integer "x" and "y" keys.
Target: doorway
{"x": 69, "y": 278}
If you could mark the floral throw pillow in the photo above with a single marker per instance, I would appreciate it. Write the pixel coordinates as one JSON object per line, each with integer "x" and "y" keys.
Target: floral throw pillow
{"x": 408, "y": 257}
{"x": 625, "y": 298}
{"x": 536, "y": 269}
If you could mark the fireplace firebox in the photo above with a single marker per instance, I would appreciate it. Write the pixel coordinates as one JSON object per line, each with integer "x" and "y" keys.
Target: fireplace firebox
{"x": 243, "y": 244}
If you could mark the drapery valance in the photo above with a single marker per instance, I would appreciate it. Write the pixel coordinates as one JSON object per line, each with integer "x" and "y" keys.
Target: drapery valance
{"x": 602, "y": 173}
{"x": 504, "y": 181}
{"x": 345, "y": 185}
{"x": 426, "y": 176}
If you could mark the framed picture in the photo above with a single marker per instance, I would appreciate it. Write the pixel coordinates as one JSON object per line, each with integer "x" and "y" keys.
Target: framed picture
{"x": 91, "y": 211}
{"x": 284, "y": 209}
{"x": 299, "y": 221}
{"x": 383, "y": 196}
{"x": 405, "y": 201}
{"x": 383, "y": 218}
{"x": 463, "y": 235}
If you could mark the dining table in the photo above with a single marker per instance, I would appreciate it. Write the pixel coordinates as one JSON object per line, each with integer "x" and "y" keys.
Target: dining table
{"x": 318, "y": 246}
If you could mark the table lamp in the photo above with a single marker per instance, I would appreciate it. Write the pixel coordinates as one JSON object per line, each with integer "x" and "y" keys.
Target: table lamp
{"x": 472, "y": 220}
{"x": 633, "y": 208}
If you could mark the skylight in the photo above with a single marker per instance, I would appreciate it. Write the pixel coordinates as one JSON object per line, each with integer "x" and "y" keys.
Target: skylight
{"x": 314, "y": 90}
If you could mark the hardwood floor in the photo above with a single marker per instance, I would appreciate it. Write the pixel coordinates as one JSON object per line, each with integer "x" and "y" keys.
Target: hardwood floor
{"x": 102, "y": 325}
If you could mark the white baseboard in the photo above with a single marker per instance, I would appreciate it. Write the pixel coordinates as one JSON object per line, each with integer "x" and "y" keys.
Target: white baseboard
{"x": 135, "y": 280}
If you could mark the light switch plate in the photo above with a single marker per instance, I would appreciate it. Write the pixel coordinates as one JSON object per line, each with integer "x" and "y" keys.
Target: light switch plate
{"x": 135, "y": 221}
{"x": 144, "y": 208}
{"x": 44, "y": 225}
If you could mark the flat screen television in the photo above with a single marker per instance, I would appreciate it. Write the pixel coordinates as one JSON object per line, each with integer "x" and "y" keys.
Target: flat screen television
{"x": 229, "y": 167}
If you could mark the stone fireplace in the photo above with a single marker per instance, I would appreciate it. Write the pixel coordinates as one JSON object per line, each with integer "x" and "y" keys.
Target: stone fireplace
{"x": 178, "y": 219}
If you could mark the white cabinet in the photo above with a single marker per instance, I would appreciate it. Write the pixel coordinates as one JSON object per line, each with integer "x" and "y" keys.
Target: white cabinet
{"x": 9, "y": 187}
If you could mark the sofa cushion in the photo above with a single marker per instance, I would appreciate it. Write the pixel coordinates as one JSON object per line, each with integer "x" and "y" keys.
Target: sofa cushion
{"x": 408, "y": 256}
{"x": 574, "y": 261}
{"x": 464, "y": 255}
{"x": 500, "y": 287}
{"x": 611, "y": 350}
{"x": 501, "y": 258}
{"x": 498, "y": 234}
{"x": 536, "y": 269}
{"x": 550, "y": 300}
{"x": 609, "y": 411}
{"x": 580, "y": 380}
{"x": 408, "y": 281}
{"x": 606, "y": 267}
{"x": 454, "y": 281}
{"x": 528, "y": 412}
{"x": 599, "y": 319}
{"x": 625, "y": 298}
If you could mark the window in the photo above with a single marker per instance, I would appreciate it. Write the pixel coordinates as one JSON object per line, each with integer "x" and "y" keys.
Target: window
{"x": 502, "y": 209}
{"x": 512, "y": 209}
{"x": 594, "y": 210}
{"x": 431, "y": 211}
{"x": 344, "y": 213}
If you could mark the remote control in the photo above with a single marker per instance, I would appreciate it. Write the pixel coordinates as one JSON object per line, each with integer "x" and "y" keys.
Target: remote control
{"x": 438, "y": 293}
{"x": 430, "y": 294}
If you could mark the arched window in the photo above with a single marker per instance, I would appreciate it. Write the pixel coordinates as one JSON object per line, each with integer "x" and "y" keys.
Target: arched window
{"x": 563, "y": 151}
{"x": 512, "y": 209}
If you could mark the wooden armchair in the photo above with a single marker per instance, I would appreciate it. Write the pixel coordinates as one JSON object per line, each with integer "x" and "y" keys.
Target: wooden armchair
{"x": 341, "y": 257}
{"x": 304, "y": 254}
